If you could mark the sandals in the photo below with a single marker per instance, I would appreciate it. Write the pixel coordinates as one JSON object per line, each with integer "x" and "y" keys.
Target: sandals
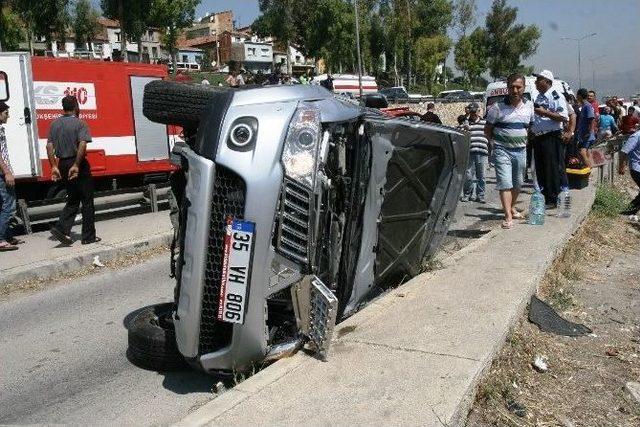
{"x": 507, "y": 224}
{"x": 94, "y": 240}
{"x": 62, "y": 238}
{"x": 517, "y": 215}
{"x": 6, "y": 247}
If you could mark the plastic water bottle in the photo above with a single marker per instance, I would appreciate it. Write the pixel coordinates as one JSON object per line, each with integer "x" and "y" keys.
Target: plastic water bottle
{"x": 564, "y": 204}
{"x": 536, "y": 208}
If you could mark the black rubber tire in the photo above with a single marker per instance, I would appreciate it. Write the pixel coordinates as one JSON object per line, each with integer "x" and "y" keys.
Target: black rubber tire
{"x": 181, "y": 104}
{"x": 152, "y": 342}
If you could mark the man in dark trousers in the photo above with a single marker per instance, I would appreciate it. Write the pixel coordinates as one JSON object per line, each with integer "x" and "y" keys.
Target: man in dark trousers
{"x": 548, "y": 149}
{"x": 66, "y": 149}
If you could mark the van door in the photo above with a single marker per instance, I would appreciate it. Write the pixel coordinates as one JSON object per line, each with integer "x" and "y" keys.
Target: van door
{"x": 152, "y": 141}
{"x": 16, "y": 89}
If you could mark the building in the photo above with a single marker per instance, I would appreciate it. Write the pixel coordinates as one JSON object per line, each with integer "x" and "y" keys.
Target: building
{"x": 105, "y": 45}
{"x": 254, "y": 53}
{"x": 300, "y": 64}
{"x": 210, "y": 25}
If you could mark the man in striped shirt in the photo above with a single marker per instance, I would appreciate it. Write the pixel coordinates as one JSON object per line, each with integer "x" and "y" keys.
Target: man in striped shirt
{"x": 478, "y": 157}
{"x": 507, "y": 127}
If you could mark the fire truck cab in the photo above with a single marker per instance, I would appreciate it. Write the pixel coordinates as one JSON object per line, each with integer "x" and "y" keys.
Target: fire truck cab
{"x": 126, "y": 148}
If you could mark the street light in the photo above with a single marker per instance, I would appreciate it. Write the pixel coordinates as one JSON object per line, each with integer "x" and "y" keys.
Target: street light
{"x": 355, "y": 5}
{"x": 593, "y": 69}
{"x": 579, "y": 40}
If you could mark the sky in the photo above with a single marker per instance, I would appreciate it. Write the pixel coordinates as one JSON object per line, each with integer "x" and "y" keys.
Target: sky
{"x": 613, "y": 52}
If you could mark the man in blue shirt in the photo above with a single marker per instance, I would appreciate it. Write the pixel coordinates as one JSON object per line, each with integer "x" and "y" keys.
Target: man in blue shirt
{"x": 584, "y": 129}
{"x": 548, "y": 149}
{"x": 630, "y": 153}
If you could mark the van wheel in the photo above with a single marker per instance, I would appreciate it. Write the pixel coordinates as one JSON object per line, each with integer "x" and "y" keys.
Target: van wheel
{"x": 182, "y": 104}
{"x": 152, "y": 340}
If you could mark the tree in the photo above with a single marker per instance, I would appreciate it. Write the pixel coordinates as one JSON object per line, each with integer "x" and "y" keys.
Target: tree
{"x": 173, "y": 16}
{"x": 43, "y": 18}
{"x": 10, "y": 29}
{"x": 431, "y": 52}
{"x": 464, "y": 15}
{"x": 471, "y": 56}
{"x": 508, "y": 43}
{"x": 85, "y": 23}
{"x": 286, "y": 20}
{"x": 134, "y": 20}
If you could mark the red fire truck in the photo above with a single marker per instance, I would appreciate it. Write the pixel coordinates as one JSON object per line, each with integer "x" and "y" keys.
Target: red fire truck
{"x": 126, "y": 150}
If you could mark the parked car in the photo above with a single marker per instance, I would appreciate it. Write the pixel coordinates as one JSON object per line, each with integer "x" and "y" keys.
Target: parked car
{"x": 400, "y": 94}
{"x": 295, "y": 207}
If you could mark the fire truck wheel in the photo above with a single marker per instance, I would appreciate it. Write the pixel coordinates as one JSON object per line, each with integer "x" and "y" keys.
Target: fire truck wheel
{"x": 180, "y": 104}
{"x": 152, "y": 340}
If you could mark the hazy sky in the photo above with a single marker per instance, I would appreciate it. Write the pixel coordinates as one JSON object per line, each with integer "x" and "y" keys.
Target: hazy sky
{"x": 615, "y": 22}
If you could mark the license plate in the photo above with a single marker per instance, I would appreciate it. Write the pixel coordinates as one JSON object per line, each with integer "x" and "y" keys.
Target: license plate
{"x": 236, "y": 269}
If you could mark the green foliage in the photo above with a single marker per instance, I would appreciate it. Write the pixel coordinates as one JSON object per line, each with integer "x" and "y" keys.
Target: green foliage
{"x": 85, "y": 22}
{"x": 507, "y": 42}
{"x": 11, "y": 33}
{"x": 431, "y": 51}
{"x": 471, "y": 56}
{"x": 464, "y": 15}
{"x": 609, "y": 201}
{"x": 173, "y": 16}
{"x": 332, "y": 35}
{"x": 432, "y": 17}
{"x": 44, "y": 18}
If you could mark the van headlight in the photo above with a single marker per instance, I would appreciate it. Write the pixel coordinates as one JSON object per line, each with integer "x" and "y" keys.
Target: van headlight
{"x": 300, "y": 152}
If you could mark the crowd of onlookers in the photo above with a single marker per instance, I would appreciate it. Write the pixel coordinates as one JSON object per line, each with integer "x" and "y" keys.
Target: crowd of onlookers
{"x": 546, "y": 136}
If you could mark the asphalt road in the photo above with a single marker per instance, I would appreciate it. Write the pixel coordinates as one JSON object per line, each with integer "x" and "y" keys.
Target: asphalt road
{"x": 62, "y": 350}
{"x": 62, "y": 355}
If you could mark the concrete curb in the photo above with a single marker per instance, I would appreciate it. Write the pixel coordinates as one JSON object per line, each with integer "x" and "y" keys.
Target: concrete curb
{"x": 49, "y": 269}
{"x": 214, "y": 409}
{"x": 459, "y": 417}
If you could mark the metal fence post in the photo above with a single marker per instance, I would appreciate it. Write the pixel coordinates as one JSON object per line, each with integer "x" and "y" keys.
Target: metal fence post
{"x": 153, "y": 198}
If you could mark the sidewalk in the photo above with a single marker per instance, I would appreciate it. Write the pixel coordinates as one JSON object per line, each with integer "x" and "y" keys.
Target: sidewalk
{"x": 415, "y": 356}
{"x": 42, "y": 257}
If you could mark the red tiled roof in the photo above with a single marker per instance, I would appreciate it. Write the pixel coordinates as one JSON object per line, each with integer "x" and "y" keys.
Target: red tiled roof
{"x": 108, "y": 22}
{"x": 195, "y": 42}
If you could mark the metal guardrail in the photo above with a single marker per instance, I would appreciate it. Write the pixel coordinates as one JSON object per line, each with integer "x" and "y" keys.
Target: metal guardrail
{"x": 152, "y": 195}
{"x": 605, "y": 156}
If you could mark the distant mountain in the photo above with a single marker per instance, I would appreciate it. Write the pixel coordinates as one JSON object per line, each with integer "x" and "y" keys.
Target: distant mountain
{"x": 621, "y": 83}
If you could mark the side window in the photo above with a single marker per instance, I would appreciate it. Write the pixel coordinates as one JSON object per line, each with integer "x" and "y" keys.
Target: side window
{"x": 4, "y": 86}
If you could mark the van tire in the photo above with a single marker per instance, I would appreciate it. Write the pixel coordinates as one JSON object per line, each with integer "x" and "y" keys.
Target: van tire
{"x": 180, "y": 104}
{"x": 152, "y": 340}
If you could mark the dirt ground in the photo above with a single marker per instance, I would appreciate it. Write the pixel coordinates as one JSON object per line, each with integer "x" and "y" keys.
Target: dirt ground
{"x": 596, "y": 282}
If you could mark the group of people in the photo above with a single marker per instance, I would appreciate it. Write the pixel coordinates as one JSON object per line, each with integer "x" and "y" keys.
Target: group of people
{"x": 66, "y": 151}
{"x": 237, "y": 78}
{"x": 517, "y": 133}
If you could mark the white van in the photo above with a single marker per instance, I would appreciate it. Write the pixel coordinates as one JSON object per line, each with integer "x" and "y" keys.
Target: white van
{"x": 498, "y": 90}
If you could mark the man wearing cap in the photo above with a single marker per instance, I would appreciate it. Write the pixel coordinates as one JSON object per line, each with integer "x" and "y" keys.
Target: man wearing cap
{"x": 66, "y": 149}
{"x": 478, "y": 158}
{"x": 7, "y": 188}
{"x": 548, "y": 150}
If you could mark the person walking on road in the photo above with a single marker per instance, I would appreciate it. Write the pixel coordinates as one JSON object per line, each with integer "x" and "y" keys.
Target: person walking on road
{"x": 630, "y": 154}
{"x": 7, "y": 188}
{"x": 548, "y": 149}
{"x": 506, "y": 130}
{"x": 66, "y": 149}
{"x": 430, "y": 116}
{"x": 584, "y": 129}
{"x": 479, "y": 154}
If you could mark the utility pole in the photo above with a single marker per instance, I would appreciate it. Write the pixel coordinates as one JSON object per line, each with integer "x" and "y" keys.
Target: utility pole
{"x": 579, "y": 40}
{"x": 355, "y": 5}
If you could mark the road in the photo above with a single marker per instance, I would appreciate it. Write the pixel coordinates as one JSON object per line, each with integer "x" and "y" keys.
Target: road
{"x": 63, "y": 348}
{"x": 63, "y": 355}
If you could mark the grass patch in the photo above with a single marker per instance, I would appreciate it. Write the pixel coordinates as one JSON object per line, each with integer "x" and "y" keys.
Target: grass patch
{"x": 609, "y": 200}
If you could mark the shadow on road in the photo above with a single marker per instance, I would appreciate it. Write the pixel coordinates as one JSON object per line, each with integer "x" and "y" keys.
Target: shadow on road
{"x": 185, "y": 382}
{"x": 468, "y": 234}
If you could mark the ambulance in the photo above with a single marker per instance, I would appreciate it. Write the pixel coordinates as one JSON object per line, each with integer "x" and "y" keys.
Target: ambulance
{"x": 127, "y": 149}
{"x": 498, "y": 90}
